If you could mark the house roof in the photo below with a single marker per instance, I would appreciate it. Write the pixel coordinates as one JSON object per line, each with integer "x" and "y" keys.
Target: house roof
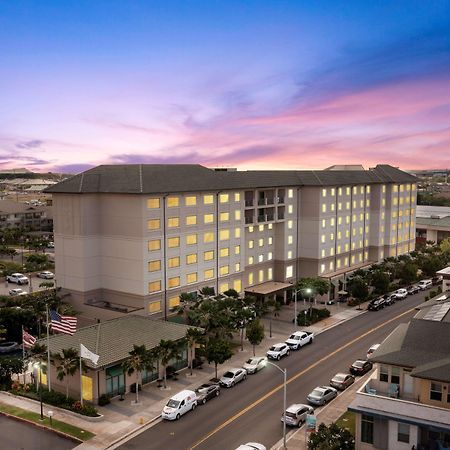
{"x": 171, "y": 178}
{"x": 10, "y": 206}
{"x": 443, "y": 222}
{"x": 112, "y": 340}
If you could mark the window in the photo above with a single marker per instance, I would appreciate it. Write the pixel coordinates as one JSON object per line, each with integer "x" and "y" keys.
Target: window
{"x": 191, "y": 259}
{"x": 208, "y": 199}
{"x": 290, "y": 209}
{"x": 290, "y": 193}
{"x": 237, "y": 214}
{"x": 237, "y": 197}
{"x": 290, "y": 240}
{"x": 191, "y": 239}
{"x": 224, "y": 252}
{"x": 208, "y": 218}
{"x": 154, "y": 307}
{"x": 340, "y": 191}
{"x": 237, "y": 233}
{"x": 289, "y": 254}
{"x": 339, "y": 234}
{"x": 174, "y": 262}
{"x": 208, "y": 274}
{"x": 290, "y": 224}
{"x": 208, "y": 237}
{"x": 331, "y": 236}
{"x": 191, "y": 220}
{"x": 347, "y": 190}
{"x": 261, "y": 227}
{"x": 332, "y": 207}
{"x": 355, "y": 190}
{"x": 153, "y": 266}
{"x": 223, "y": 288}
{"x": 251, "y": 243}
{"x": 237, "y": 249}
{"x": 224, "y": 198}
{"x": 173, "y": 222}
{"x": 260, "y": 258}
{"x": 289, "y": 271}
{"x": 270, "y": 240}
{"x": 269, "y": 274}
{"x": 384, "y": 376}
{"x": 237, "y": 267}
{"x": 153, "y": 224}
{"x": 261, "y": 242}
{"x": 224, "y": 270}
{"x": 153, "y": 203}
{"x": 154, "y": 286}
{"x": 250, "y": 279}
{"x": 366, "y": 429}
{"x": 338, "y": 264}
{"x": 322, "y": 239}
{"x": 324, "y": 208}
{"x": 173, "y": 202}
{"x": 208, "y": 256}
{"x": 331, "y": 265}
{"x": 225, "y": 216}
{"x": 173, "y": 242}
{"x": 237, "y": 285}
{"x": 224, "y": 235}
{"x": 368, "y": 189}
{"x": 174, "y": 301}
{"x": 332, "y": 221}
{"x": 250, "y": 260}
{"x": 191, "y": 277}
{"x": 332, "y": 251}
{"x": 173, "y": 282}
{"x": 324, "y": 192}
{"x": 324, "y": 223}
{"x": 322, "y": 253}
{"x": 270, "y": 226}
{"x": 322, "y": 268}
{"x": 260, "y": 276}
{"x": 190, "y": 200}
{"x": 154, "y": 244}
{"x": 436, "y": 391}
{"x": 269, "y": 256}
{"x": 403, "y": 432}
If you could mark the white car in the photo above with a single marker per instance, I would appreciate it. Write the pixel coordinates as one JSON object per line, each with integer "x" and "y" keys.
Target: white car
{"x": 51, "y": 245}
{"x": 277, "y": 351}
{"x": 251, "y": 446}
{"x": 299, "y": 339}
{"x": 296, "y": 414}
{"x": 400, "y": 294}
{"x": 372, "y": 350}
{"x": 46, "y": 275}
{"x": 425, "y": 284}
{"x": 254, "y": 364}
{"x": 179, "y": 404}
{"x": 16, "y": 291}
{"x": 232, "y": 377}
{"x": 18, "y": 278}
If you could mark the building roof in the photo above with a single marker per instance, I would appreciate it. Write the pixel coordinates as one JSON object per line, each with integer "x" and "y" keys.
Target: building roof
{"x": 443, "y": 222}
{"x": 432, "y": 211}
{"x": 269, "y": 287}
{"x": 11, "y": 206}
{"x": 113, "y": 340}
{"x": 171, "y": 178}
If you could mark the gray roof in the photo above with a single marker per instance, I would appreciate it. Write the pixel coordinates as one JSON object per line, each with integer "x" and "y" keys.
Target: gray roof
{"x": 113, "y": 340}
{"x": 10, "y": 207}
{"x": 171, "y": 178}
{"x": 443, "y": 222}
{"x": 423, "y": 345}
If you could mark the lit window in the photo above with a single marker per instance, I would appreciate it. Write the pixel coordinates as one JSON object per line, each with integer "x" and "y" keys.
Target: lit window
{"x": 340, "y": 191}
{"x": 353, "y": 259}
{"x": 290, "y": 224}
{"x": 331, "y": 265}
{"x": 290, "y": 193}
{"x": 237, "y": 285}
{"x": 322, "y": 253}
{"x": 360, "y": 230}
{"x": 250, "y": 243}
{"x": 260, "y": 227}
{"x": 237, "y": 267}
{"x": 223, "y": 198}
{"x": 173, "y": 202}
{"x": 289, "y": 271}
{"x": 289, "y": 254}
{"x": 338, "y": 264}
{"x": 174, "y": 262}
{"x": 395, "y": 188}
{"x": 270, "y": 274}
{"x": 347, "y": 219}
{"x": 354, "y": 218}
{"x": 237, "y": 197}
{"x": 154, "y": 244}
{"x": 153, "y": 266}
{"x": 209, "y": 255}
{"x": 191, "y": 220}
{"x": 153, "y": 224}
{"x": 173, "y": 282}
{"x": 260, "y": 258}
{"x": 191, "y": 259}
{"x": 237, "y": 249}
{"x": 331, "y": 236}
{"x": 332, "y": 251}
{"x": 190, "y": 200}
{"x": 338, "y": 249}
{"x": 322, "y": 268}
{"x": 360, "y": 257}
{"x": 383, "y": 202}
{"x": 361, "y": 203}
{"x": 191, "y": 239}
{"x": 354, "y": 204}
{"x": 208, "y": 274}
{"x": 402, "y": 188}
{"x": 261, "y": 242}
{"x": 332, "y": 221}
{"x": 270, "y": 240}
{"x": 250, "y": 279}
{"x": 224, "y": 235}
{"x": 250, "y": 260}
{"x": 173, "y": 222}
{"x": 322, "y": 239}
{"x": 324, "y": 192}
{"x": 368, "y": 189}
{"x": 173, "y": 242}
{"x": 208, "y": 237}
{"x": 290, "y": 209}
{"x": 270, "y": 226}
{"x": 383, "y": 188}
{"x": 224, "y": 216}
{"x": 153, "y": 203}
{"x": 324, "y": 223}
{"x": 224, "y": 270}
{"x": 237, "y": 232}
{"x": 290, "y": 240}
{"x": 339, "y": 234}
{"x": 174, "y": 301}
{"x": 269, "y": 256}
{"x": 250, "y": 229}
{"x": 154, "y": 286}
{"x": 223, "y": 288}
{"x": 208, "y": 199}
{"x": 346, "y": 247}
{"x": 346, "y": 261}
{"x": 324, "y": 208}
{"x": 208, "y": 218}
{"x": 355, "y": 191}
{"x": 191, "y": 277}
{"x": 332, "y": 207}
{"x": 260, "y": 276}
{"x": 154, "y": 307}
{"x": 347, "y": 190}
{"x": 224, "y": 252}
{"x": 237, "y": 214}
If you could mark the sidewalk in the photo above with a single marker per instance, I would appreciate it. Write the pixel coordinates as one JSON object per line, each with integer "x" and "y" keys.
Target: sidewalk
{"x": 122, "y": 419}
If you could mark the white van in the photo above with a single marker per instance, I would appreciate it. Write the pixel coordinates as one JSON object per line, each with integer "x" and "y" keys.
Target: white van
{"x": 425, "y": 284}
{"x": 179, "y": 404}
{"x": 372, "y": 350}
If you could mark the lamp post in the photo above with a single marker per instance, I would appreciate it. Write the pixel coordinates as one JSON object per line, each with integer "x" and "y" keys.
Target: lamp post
{"x": 38, "y": 365}
{"x": 309, "y": 292}
{"x": 283, "y": 371}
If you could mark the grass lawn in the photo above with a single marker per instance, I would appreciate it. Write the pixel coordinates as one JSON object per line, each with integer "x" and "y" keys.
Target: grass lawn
{"x": 71, "y": 430}
{"x": 347, "y": 420}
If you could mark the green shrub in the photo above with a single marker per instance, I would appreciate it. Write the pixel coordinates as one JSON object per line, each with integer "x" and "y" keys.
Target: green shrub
{"x": 104, "y": 399}
{"x": 313, "y": 315}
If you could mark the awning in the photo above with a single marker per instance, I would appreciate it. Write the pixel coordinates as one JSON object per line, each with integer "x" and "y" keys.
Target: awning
{"x": 270, "y": 287}
{"x": 342, "y": 293}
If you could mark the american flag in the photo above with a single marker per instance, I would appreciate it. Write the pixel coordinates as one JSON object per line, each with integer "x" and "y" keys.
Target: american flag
{"x": 63, "y": 324}
{"x": 27, "y": 340}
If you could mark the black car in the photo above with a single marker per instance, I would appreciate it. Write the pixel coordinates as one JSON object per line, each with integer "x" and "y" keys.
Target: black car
{"x": 360, "y": 367}
{"x": 206, "y": 392}
{"x": 376, "y": 304}
{"x": 413, "y": 289}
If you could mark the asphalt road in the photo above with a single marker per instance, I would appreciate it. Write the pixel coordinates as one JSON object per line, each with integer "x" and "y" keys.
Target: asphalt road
{"x": 17, "y": 435}
{"x": 251, "y": 411}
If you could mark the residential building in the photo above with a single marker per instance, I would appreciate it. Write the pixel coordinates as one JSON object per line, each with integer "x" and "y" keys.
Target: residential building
{"x": 133, "y": 237}
{"x": 406, "y": 402}
{"x": 432, "y": 223}
{"x": 21, "y": 215}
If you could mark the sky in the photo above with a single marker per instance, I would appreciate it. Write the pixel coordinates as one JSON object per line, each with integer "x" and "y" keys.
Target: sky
{"x": 252, "y": 84}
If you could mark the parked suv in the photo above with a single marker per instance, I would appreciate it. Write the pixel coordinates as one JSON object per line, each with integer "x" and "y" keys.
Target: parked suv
{"x": 400, "y": 294}
{"x": 425, "y": 284}
{"x": 296, "y": 414}
{"x": 18, "y": 278}
{"x": 414, "y": 289}
{"x": 376, "y": 304}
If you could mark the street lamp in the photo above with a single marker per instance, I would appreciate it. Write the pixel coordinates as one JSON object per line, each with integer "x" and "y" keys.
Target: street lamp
{"x": 39, "y": 366}
{"x": 283, "y": 371}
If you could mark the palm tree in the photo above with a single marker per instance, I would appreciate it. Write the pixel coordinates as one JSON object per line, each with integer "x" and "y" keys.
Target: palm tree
{"x": 66, "y": 364}
{"x": 140, "y": 359}
{"x": 193, "y": 336}
{"x": 166, "y": 351}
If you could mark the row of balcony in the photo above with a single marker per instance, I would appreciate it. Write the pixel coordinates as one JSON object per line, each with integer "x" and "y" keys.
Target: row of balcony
{"x": 265, "y": 201}
{"x": 264, "y": 218}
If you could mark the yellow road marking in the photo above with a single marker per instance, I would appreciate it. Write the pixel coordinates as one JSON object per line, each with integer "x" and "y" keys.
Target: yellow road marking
{"x": 299, "y": 374}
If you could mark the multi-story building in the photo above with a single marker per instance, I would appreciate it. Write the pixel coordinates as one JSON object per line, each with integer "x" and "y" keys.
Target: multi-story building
{"x": 136, "y": 236}
{"x": 406, "y": 402}
{"x": 21, "y": 215}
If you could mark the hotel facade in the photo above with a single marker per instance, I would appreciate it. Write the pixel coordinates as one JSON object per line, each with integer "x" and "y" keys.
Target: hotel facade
{"x": 132, "y": 238}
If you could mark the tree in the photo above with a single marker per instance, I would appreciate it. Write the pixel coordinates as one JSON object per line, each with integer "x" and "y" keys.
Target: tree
{"x": 8, "y": 368}
{"x": 445, "y": 247}
{"x": 218, "y": 351}
{"x": 380, "y": 281}
{"x": 359, "y": 289}
{"x": 66, "y": 364}
{"x": 331, "y": 437}
{"x": 408, "y": 272}
{"x": 255, "y": 333}
{"x": 193, "y": 336}
{"x": 316, "y": 284}
{"x": 166, "y": 351}
{"x": 430, "y": 264}
{"x": 140, "y": 359}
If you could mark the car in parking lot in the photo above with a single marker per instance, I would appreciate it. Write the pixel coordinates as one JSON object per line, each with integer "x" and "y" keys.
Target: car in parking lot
{"x": 296, "y": 414}
{"x": 18, "y": 278}
{"x": 46, "y": 275}
{"x": 206, "y": 392}
{"x": 232, "y": 377}
{"x": 299, "y": 339}
{"x": 277, "y": 351}
{"x": 254, "y": 364}
{"x": 425, "y": 284}
{"x": 400, "y": 294}
{"x": 342, "y": 381}
{"x": 251, "y": 446}
{"x": 321, "y": 395}
{"x": 16, "y": 291}
{"x": 376, "y": 304}
{"x": 414, "y": 289}
{"x": 360, "y": 367}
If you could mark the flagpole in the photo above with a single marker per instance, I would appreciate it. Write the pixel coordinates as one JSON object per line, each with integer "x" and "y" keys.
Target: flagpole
{"x": 81, "y": 380}
{"x": 48, "y": 353}
{"x": 23, "y": 360}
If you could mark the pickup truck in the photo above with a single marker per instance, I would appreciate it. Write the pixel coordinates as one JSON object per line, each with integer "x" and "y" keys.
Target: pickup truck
{"x": 17, "y": 278}
{"x": 299, "y": 339}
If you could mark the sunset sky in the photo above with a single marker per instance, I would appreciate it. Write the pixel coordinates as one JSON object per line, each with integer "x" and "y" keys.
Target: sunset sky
{"x": 253, "y": 84}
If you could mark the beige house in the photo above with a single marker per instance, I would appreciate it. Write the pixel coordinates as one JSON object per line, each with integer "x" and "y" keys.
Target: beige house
{"x": 406, "y": 402}
{"x": 20, "y": 215}
{"x": 132, "y": 238}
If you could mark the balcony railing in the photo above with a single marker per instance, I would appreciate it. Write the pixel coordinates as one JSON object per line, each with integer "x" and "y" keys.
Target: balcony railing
{"x": 262, "y": 218}
{"x": 248, "y": 202}
{"x": 249, "y": 220}
{"x": 262, "y": 201}
{"x": 269, "y": 217}
{"x": 280, "y": 200}
{"x": 281, "y": 216}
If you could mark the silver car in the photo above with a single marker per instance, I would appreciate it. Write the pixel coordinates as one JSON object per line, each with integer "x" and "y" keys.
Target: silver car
{"x": 296, "y": 414}
{"x": 232, "y": 377}
{"x": 321, "y": 395}
{"x": 342, "y": 381}
{"x": 254, "y": 364}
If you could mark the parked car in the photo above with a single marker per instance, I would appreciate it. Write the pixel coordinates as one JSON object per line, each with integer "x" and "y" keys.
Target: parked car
{"x": 400, "y": 294}
{"x": 18, "y": 278}
{"x": 206, "y": 392}
{"x": 277, "y": 351}
{"x": 232, "y": 377}
{"x": 51, "y": 245}
{"x": 251, "y": 446}
{"x": 342, "y": 381}
{"x": 437, "y": 280}
{"x": 179, "y": 404}
{"x": 296, "y": 414}
{"x": 299, "y": 339}
{"x": 389, "y": 299}
{"x": 254, "y": 364}
{"x": 321, "y": 395}
{"x": 16, "y": 291}
{"x": 424, "y": 284}
{"x": 372, "y": 350}
{"x": 414, "y": 289}
{"x": 360, "y": 367}
{"x": 376, "y": 304}
{"x": 46, "y": 275}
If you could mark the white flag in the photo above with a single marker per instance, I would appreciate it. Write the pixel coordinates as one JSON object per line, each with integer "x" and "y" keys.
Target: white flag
{"x": 86, "y": 353}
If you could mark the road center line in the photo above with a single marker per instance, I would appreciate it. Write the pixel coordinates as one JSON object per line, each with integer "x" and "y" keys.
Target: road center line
{"x": 295, "y": 377}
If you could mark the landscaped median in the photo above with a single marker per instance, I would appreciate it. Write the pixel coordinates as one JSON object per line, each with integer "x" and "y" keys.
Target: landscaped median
{"x": 57, "y": 426}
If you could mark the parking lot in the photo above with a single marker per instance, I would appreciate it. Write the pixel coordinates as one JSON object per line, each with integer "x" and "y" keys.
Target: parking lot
{"x": 33, "y": 286}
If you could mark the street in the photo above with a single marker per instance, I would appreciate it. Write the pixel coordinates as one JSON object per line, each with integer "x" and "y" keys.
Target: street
{"x": 251, "y": 411}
